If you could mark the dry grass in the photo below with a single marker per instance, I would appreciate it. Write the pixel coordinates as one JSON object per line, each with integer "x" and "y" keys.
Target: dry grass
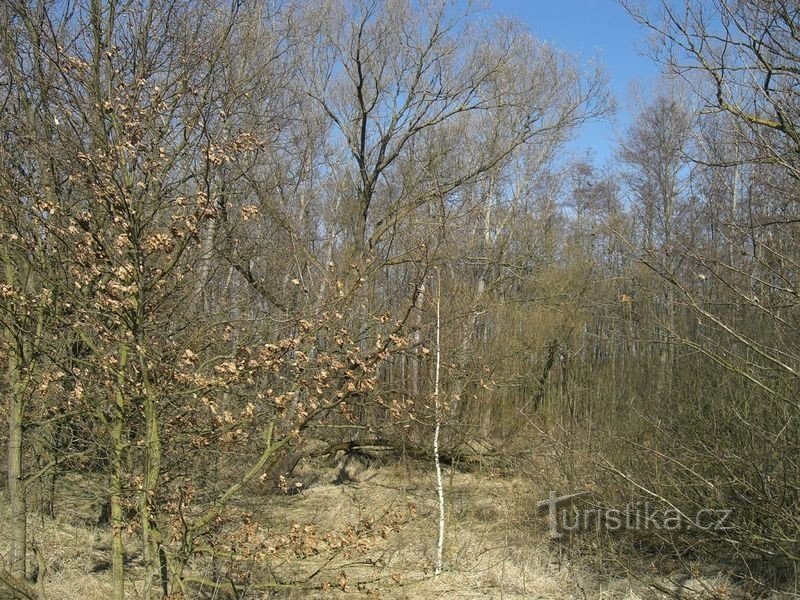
{"x": 496, "y": 545}
{"x": 70, "y": 552}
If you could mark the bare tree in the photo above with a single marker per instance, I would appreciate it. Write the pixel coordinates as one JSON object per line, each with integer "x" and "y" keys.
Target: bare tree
{"x": 414, "y": 88}
{"x": 739, "y": 58}
{"x": 738, "y": 253}
{"x": 654, "y": 153}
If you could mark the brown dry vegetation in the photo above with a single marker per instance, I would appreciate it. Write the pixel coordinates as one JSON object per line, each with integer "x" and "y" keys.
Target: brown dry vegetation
{"x": 374, "y": 538}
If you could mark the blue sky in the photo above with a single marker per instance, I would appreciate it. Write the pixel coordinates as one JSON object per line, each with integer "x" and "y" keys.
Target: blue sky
{"x": 592, "y": 28}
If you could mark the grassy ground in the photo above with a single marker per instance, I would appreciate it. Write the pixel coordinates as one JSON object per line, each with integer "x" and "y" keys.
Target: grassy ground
{"x": 376, "y": 538}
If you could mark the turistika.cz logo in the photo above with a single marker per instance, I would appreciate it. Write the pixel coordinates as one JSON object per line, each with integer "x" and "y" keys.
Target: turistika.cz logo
{"x": 633, "y": 516}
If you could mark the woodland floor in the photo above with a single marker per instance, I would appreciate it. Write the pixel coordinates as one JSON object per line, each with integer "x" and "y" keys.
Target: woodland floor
{"x": 496, "y": 546}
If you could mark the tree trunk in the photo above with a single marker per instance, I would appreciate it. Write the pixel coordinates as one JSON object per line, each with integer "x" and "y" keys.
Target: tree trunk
{"x": 152, "y": 472}
{"x": 117, "y": 475}
{"x": 16, "y": 412}
{"x": 16, "y": 486}
{"x": 415, "y": 358}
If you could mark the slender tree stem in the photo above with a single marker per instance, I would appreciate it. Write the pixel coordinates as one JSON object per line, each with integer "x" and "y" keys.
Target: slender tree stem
{"x": 437, "y": 430}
